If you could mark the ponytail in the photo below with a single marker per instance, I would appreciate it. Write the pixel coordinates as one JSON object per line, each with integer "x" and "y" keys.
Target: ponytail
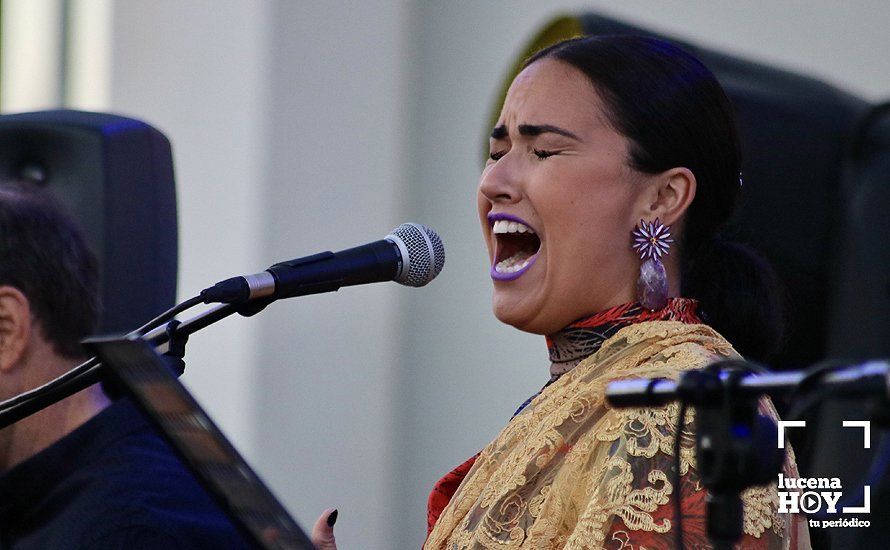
{"x": 739, "y": 295}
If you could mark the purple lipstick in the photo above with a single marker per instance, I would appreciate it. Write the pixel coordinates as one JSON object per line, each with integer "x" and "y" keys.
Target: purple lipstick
{"x": 517, "y": 246}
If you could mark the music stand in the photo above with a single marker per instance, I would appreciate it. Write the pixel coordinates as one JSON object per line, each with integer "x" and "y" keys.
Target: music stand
{"x": 134, "y": 366}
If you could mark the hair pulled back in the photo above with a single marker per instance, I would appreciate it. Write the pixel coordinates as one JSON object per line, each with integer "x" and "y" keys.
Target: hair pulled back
{"x": 674, "y": 113}
{"x": 44, "y": 255}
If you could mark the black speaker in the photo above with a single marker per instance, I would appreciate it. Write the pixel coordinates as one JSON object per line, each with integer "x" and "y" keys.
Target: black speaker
{"x": 860, "y": 326}
{"x": 115, "y": 176}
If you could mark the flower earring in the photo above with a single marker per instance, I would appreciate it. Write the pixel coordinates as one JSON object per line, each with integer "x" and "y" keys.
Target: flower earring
{"x": 652, "y": 240}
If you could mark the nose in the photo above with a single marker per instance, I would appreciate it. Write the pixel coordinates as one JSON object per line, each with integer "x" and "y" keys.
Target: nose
{"x": 500, "y": 182}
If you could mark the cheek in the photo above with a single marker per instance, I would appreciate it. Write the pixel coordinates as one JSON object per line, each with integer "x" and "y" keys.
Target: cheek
{"x": 594, "y": 220}
{"x": 483, "y": 207}
{"x": 591, "y": 234}
{"x": 482, "y": 204}
{"x": 603, "y": 242}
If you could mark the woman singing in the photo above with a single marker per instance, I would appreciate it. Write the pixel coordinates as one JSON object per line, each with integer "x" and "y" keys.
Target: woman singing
{"x": 613, "y": 165}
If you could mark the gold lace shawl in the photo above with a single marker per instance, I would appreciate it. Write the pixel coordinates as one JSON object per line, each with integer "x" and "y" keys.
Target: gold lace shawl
{"x": 571, "y": 472}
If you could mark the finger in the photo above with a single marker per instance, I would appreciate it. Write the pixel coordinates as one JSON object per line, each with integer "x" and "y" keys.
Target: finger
{"x": 323, "y": 530}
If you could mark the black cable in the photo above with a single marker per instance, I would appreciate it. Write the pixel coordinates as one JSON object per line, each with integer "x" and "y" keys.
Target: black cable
{"x": 678, "y": 505}
{"x": 806, "y": 394}
{"x": 741, "y": 365}
{"x": 39, "y": 402}
{"x": 167, "y": 315}
{"x": 49, "y": 386}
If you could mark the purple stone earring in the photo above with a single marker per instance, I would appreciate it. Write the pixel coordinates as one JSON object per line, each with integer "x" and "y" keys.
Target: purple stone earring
{"x": 652, "y": 240}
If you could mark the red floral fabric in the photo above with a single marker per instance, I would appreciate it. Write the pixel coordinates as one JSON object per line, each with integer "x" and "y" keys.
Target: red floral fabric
{"x": 443, "y": 490}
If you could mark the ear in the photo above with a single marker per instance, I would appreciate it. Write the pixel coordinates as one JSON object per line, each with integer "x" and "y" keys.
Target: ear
{"x": 669, "y": 196}
{"x": 15, "y": 326}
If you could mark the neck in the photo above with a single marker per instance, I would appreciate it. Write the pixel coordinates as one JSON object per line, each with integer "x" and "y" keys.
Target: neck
{"x": 583, "y": 338}
{"x": 35, "y": 433}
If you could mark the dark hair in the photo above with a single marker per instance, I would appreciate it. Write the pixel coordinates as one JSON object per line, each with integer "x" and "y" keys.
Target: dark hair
{"x": 674, "y": 113}
{"x": 44, "y": 255}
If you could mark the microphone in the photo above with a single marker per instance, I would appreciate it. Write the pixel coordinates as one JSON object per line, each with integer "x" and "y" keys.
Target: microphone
{"x": 412, "y": 255}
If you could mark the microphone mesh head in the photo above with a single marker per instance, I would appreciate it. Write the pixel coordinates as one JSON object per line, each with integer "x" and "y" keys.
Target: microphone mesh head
{"x": 422, "y": 251}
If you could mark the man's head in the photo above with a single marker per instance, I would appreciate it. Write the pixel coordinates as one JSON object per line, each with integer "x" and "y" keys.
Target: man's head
{"x": 48, "y": 303}
{"x": 46, "y": 272}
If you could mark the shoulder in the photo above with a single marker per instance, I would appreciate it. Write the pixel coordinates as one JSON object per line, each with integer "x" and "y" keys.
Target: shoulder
{"x": 137, "y": 490}
{"x": 660, "y": 349}
{"x": 669, "y": 333}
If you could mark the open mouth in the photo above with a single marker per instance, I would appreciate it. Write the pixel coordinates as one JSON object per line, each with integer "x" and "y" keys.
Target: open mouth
{"x": 517, "y": 246}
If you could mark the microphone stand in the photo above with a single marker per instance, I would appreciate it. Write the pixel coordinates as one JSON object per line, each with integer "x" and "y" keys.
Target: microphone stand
{"x": 174, "y": 330}
{"x": 869, "y": 378}
{"x": 735, "y": 446}
{"x": 387, "y": 259}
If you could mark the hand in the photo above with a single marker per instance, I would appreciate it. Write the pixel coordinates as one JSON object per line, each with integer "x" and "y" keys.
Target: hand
{"x": 323, "y": 530}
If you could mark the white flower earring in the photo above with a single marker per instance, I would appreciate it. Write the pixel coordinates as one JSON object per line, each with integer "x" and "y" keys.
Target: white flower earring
{"x": 652, "y": 240}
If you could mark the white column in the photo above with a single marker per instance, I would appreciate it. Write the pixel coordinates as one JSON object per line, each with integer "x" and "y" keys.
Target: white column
{"x": 88, "y": 55}
{"x": 197, "y": 71}
{"x": 30, "y": 55}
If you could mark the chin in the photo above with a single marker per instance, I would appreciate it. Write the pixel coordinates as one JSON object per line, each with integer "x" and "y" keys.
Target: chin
{"x": 517, "y": 316}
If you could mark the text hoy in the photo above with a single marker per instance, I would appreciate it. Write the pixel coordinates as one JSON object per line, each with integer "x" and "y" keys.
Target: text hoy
{"x": 811, "y": 502}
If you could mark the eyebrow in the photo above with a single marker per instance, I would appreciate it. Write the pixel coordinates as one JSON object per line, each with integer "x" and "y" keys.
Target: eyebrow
{"x": 500, "y": 132}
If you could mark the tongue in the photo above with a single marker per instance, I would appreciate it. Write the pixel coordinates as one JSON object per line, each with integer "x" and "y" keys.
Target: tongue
{"x": 520, "y": 256}
{"x": 516, "y": 247}
{"x": 513, "y": 263}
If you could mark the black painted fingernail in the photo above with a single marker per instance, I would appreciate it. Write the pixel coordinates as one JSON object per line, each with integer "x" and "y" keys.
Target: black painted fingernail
{"x": 332, "y": 519}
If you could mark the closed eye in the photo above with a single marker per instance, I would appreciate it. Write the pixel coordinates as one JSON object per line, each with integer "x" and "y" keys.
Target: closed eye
{"x": 495, "y": 155}
{"x": 542, "y": 154}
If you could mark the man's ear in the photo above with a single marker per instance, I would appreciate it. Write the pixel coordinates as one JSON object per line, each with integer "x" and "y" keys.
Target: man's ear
{"x": 669, "y": 196}
{"x": 15, "y": 326}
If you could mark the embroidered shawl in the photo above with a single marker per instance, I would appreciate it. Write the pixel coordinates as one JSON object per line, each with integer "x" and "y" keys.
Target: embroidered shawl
{"x": 571, "y": 472}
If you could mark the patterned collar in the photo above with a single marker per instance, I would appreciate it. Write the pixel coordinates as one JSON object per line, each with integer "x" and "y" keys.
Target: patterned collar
{"x": 585, "y": 336}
